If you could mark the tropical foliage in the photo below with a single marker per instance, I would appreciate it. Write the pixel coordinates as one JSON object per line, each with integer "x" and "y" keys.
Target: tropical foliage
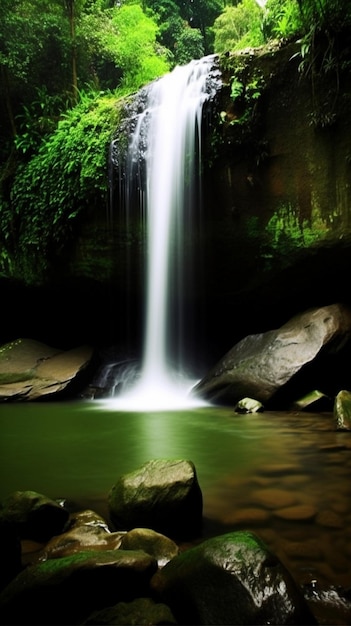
{"x": 66, "y": 65}
{"x": 238, "y": 26}
{"x": 66, "y": 176}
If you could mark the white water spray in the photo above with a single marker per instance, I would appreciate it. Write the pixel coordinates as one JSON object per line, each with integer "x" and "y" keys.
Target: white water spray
{"x": 170, "y": 128}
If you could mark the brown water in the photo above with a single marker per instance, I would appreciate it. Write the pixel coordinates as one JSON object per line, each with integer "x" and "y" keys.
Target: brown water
{"x": 287, "y": 476}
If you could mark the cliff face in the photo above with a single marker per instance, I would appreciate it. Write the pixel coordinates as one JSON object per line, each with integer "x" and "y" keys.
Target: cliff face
{"x": 276, "y": 226}
{"x": 277, "y": 192}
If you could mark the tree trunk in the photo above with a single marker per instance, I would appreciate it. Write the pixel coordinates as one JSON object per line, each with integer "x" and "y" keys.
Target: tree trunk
{"x": 71, "y": 16}
{"x": 6, "y": 88}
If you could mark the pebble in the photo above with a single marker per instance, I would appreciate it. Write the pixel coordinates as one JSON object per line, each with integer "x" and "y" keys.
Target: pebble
{"x": 249, "y": 516}
{"x": 329, "y": 519}
{"x": 274, "y": 498}
{"x": 299, "y": 512}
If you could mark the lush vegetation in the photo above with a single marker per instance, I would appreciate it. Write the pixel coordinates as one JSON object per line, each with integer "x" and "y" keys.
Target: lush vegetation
{"x": 65, "y": 67}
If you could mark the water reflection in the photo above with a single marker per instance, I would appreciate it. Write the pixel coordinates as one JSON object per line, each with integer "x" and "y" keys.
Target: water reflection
{"x": 286, "y": 476}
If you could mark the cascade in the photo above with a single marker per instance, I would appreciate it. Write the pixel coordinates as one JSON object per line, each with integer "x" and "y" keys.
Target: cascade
{"x": 163, "y": 170}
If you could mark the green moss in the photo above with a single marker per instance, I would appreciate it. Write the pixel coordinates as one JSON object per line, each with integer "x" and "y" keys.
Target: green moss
{"x": 6, "y": 378}
{"x": 287, "y": 232}
{"x": 65, "y": 179}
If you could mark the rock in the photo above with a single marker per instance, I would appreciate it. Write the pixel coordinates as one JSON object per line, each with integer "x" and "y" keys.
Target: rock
{"x": 30, "y": 370}
{"x": 33, "y": 515}
{"x": 342, "y": 410}
{"x": 159, "y": 546}
{"x": 248, "y": 405}
{"x": 330, "y": 519}
{"x": 142, "y": 611}
{"x": 274, "y": 498}
{"x": 328, "y": 602}
{"x": 315, "y": 401}
{"x": 89, "y": 518}
{"x": 11, "y": 553}
{"x": 231, "y": 579}
{"x": 163, "y": 495}
{"x": 67, "y": 590}
{"x": 86, "y": 531}
{"x": 260, "y": 365}
{"x": 250, "y": 516}
{"x": 297, "y": 513}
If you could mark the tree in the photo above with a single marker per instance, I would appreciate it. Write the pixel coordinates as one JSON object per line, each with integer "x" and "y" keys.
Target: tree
{"x": 50, "y": 50}
{"x": 32, "y": 54}
{"x": 171, "y": 25}
{"x": 189, "y": 46}
{"x": 70, "y": 6}
{"x": 238, "y": 26}
{"x": 282, "y": 19}
{"x": 175, "y": 17}
{"x": 136, "y": 50}
{"x": 202, "y": 14}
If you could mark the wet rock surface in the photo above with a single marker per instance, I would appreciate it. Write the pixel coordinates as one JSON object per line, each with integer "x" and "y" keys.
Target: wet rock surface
{"x": 261, "y": 365}
{"x": 31, "y": 370}
{"x": 342, "y": 410}
{"x": 66, "y": 590}
{"x": 231, "y": 579}
{"x": 33, "y": 515}
{"x": 162, "y": 494}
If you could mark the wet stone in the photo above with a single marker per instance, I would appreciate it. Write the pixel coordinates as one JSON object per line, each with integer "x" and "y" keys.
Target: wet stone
{"x": 336, "y": 447}
{"x": 340, "y": 506}
{"x": 274, "y": 498}
{"x": 310, "y": 549}
{"x": 261, "y": 481}
{"x": 279, "y": 469}
{"x": 300, "y": 512}
{"x": 249, "y": 516}
{"x": 329, "y": 519}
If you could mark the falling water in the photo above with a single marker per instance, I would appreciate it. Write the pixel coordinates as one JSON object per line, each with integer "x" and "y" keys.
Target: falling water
{"x": 167, "y": 135}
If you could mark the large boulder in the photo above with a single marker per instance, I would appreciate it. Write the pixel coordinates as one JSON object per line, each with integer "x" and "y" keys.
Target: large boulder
{"x": 30, "y": 370}
{"x": 67, "y": 590}
{"x": 163, "y": 495}
{"x": 231, "y": 579}
{"x": 260, "y": 365}
{"x": 33, "y": 515}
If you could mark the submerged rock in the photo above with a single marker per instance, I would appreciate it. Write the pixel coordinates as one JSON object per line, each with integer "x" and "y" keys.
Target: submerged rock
{"x": 143, "y": 611}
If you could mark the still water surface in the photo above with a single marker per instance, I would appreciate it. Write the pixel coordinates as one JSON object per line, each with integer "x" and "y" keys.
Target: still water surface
{"x": 284, "y": 475}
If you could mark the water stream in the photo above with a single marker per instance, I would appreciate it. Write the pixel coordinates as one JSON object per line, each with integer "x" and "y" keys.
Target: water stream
{"x": 167, "y": 138}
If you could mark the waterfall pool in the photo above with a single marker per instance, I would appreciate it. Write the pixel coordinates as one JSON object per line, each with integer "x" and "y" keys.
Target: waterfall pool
{"x": 286, "y": 476}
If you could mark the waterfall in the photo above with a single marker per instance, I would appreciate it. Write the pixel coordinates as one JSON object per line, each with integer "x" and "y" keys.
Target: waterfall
{"x": 163, "y": 169}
